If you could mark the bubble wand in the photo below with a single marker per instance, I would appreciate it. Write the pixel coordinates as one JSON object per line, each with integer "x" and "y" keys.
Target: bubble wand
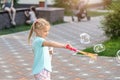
{"x": 91, "y": 55}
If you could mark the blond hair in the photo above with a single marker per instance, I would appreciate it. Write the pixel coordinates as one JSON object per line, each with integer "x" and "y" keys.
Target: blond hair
{"x": 38, "y": 24}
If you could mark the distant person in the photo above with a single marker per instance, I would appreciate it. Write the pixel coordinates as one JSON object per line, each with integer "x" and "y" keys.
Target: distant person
{"x": 8, "y": 6}
{"x": 31, "y": 15}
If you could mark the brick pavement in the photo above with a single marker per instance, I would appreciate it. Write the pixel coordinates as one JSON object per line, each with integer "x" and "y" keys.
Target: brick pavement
{"x": 16, "y": 56}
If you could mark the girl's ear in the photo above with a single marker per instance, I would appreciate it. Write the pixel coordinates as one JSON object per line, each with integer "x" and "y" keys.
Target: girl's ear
{"x": 37, "y": 31}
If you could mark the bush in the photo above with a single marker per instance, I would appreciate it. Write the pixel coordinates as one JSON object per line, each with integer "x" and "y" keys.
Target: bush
{"x": 111, "y": 24}
{"x": 114, "y": 5}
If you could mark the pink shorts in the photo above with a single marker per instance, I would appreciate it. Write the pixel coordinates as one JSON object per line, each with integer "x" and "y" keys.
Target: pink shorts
{"x": 43, "y": 75}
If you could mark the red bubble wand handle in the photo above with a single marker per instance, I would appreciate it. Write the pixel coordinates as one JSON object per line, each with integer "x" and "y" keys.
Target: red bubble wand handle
{"x": 71, "y": 48}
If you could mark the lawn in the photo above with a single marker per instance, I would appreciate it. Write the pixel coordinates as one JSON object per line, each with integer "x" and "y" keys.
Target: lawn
{"x": 111, "y": 48}
{"x": 21, "y": 28}
{"x": 95, "y": 13}
{"x": 15, "y": 29}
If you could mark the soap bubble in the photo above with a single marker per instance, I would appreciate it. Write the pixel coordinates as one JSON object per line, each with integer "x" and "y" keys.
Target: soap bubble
{"x": 99, "y": 48}
{"x": 84, "y": 38}
{"x": 118, "y": 56}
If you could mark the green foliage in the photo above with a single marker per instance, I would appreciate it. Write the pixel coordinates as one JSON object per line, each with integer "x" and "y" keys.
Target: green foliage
{"x": 62, "y": 3}
{"x": 16, "y": 2}
{"x": 95, "y": 13}
{"x": 106, "y": 3}
{"x": 111, "y": 23}
{"x": 66, "y": 4}
{"x": 114, "y": 5}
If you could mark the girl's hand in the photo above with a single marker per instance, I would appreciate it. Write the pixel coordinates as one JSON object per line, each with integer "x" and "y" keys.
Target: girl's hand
{"x": 51, "y": 50}
{"x": 68, "y": 46}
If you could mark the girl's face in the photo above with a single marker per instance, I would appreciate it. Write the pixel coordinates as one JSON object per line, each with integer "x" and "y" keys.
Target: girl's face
{"x": 44, "y": 32}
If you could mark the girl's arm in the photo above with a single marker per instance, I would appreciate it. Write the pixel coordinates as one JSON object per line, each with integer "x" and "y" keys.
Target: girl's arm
{"x": 54, "y": 44}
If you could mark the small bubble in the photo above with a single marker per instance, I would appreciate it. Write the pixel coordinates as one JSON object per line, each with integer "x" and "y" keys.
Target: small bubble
{"x": 118, "y": 56}
{"x": 99, "y": 48}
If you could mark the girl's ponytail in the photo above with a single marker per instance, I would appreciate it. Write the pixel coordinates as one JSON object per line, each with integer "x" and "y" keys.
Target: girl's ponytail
{"x": 30, "y": 33}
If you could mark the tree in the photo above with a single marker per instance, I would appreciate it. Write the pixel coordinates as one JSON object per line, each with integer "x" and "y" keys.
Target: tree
{"x": 106, "y": 3}
{"x": 16, "y": 2}
{"x": 67, "y": 4}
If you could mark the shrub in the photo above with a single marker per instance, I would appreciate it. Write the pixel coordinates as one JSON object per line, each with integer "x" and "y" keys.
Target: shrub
{"x": 114, "y": 5}
{"x": 111, "y": 24}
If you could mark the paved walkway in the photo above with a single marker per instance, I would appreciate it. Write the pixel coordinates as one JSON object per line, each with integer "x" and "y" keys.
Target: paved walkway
{"x": 16, "y": 56}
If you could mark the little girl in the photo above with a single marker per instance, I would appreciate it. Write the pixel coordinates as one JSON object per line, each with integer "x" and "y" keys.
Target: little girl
{"x": 42, "y": 58}
{"x": 31, "y": 15}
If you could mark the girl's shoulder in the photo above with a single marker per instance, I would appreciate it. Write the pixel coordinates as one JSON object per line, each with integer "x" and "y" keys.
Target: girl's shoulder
{"x": 38, "y": 39}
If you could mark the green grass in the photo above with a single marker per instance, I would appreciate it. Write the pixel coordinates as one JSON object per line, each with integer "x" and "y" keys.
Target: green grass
{"x": 21, "y": 28}
{"x": 111, "y": 48}
{"x": 14, "y": 29}
{"x": 95, "y": 13}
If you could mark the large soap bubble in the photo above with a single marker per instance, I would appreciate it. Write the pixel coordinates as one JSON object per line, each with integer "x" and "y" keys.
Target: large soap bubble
{"x": 118, "y": 56}
{"x": 84, "y": 38}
